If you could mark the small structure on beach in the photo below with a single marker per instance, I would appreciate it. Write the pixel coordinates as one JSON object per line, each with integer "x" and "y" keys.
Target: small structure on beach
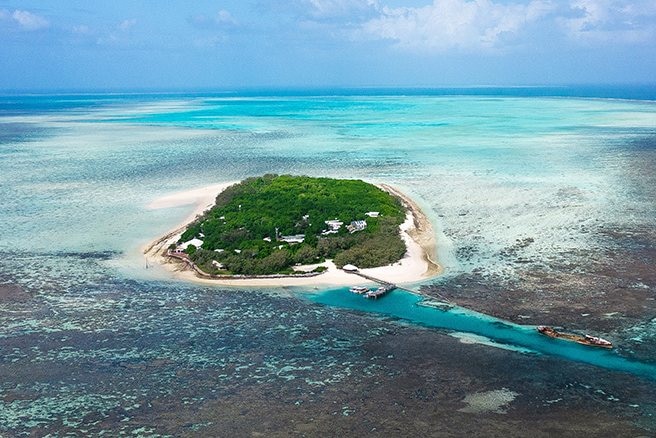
{"x": 350, "y": 268}
{"x": 196, "y": 242}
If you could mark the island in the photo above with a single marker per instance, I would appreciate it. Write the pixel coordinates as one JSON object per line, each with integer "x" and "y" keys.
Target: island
{"x": 285, "y": 228}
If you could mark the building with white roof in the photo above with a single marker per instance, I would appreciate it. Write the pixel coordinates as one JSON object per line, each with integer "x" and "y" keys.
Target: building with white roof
{"x": 196, "y": 242}
{"x": 334, "y": 224}
{"x": 296, "y": 238}
{"x": 357, "y": 226}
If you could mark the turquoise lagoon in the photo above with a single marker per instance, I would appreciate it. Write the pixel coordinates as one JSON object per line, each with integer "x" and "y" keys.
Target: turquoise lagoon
{"x": 491, "y": 331}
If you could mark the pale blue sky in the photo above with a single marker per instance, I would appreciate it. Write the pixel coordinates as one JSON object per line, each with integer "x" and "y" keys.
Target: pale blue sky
{"x": 152, "y": 44}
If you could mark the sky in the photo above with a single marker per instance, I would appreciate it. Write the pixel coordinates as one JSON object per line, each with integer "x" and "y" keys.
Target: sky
{"x": 203, "y": 44}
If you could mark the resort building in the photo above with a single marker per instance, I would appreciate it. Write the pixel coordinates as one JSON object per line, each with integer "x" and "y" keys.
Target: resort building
{"x": 296, "y": 238}
{"x": 334, "y": 225}
{"x": 356, "y": 226}
{"x": 372, "y": 213}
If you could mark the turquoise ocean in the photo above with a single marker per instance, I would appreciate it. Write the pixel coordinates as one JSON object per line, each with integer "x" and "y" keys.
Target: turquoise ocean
{"x": 538, "y": 189}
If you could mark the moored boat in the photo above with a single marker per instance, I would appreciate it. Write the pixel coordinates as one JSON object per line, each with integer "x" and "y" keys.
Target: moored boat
{"x": 593, "y": 341}
{"x": 380, "y": 291}
{"x": 359, "y": 290}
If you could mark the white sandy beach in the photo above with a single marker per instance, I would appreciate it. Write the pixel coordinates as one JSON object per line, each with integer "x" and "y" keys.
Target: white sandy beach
{"x": 417, "y": 264}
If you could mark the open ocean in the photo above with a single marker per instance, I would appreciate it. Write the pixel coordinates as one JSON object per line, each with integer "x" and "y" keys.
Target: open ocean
{"x": 544, "y": 202}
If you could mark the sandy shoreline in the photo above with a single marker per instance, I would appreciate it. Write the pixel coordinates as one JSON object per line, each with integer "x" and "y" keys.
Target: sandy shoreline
{"x": 419, "y": 262}
{"x": 201, "y": 198}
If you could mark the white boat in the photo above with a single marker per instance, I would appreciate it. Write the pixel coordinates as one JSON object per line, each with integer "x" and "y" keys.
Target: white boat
{"x": 379, "y": 292}
{"x": 359, "y": 290}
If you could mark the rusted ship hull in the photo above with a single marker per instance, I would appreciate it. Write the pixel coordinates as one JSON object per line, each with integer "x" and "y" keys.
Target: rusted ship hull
{"x": 591, "y": 341}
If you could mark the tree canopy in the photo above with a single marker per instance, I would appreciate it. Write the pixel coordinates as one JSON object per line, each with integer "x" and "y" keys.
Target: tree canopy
{"x": 245, "y": 231}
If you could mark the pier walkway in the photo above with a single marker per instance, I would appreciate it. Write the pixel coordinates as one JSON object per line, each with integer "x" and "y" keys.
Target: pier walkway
{"x": 384, "y": 288}
{"x": 388, "y": 287}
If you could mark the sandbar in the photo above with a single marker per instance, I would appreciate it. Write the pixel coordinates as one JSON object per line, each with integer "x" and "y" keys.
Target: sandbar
{"x": 419, "y": 262}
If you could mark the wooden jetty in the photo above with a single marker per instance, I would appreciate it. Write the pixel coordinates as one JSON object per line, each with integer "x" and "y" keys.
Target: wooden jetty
{"x": 382, "y": 290}
{"x": 385, "y": 286}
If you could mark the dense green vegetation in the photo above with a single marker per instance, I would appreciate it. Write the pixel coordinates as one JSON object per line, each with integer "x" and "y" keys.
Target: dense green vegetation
{"x": 239, "y": 232}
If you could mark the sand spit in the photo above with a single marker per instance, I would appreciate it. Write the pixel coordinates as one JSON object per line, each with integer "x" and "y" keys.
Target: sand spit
{"x": 201, "y": 198}
{"x": 418, "y": 263}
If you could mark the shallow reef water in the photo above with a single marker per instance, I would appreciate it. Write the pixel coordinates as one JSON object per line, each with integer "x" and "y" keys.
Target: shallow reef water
{"x": 543, "y": 209}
